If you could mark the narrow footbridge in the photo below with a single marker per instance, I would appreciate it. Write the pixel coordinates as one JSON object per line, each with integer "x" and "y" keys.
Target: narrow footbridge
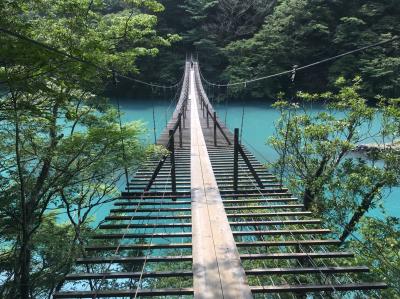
{"x": 209, "y": 221}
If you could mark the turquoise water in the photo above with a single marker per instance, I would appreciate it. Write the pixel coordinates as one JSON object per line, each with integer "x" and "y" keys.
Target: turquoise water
{"x": 134, "y": 110}
{"x": 258, "y": 125}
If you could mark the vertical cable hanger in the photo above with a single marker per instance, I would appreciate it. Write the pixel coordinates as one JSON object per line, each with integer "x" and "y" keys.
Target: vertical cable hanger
{"x": 154, "y": 126}
{"x": 293, "y": 94}
{"x": 115, "y": 82}
{"x": 242, "y": 122}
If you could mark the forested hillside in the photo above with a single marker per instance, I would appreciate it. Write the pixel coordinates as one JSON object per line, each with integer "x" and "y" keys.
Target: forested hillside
{"x": 66, "y": 149}
{"x": 238, "y": 40}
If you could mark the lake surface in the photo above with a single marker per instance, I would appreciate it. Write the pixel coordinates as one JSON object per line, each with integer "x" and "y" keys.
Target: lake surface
{"x": 258, "y": 125}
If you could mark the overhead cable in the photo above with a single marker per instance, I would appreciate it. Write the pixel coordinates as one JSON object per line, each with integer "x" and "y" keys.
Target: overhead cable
{"x": 299, "y": 68}
{"x": 84, "y": 61}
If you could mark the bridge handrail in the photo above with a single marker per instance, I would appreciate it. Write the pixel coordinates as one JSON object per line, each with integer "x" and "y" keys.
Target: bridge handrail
{"x": 207, "y": 105}
{"x": 179, "y": 113}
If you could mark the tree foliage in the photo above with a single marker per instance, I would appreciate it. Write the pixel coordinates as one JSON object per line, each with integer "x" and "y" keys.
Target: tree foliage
{"x": 299, "y": 32}
{"x": 319, "y": 160}
{"x": 61, "y": 145}
{"x": 205, "y": 27}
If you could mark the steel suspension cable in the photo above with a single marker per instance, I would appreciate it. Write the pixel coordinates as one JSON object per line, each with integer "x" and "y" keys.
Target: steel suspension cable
{"x": 97, "y": 287}
{"x": 84, "y": 61}
{"x": 287, "y": 72}
{"x": 291, "y": 234}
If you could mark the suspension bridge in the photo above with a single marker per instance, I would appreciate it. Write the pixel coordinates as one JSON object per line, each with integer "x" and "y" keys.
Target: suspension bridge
{"x": 209, "y": 221}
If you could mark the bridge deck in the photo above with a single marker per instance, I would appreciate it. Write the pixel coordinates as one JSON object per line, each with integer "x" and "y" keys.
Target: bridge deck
{"x": 210, "y": 238}
{"x": 217, "y": 270}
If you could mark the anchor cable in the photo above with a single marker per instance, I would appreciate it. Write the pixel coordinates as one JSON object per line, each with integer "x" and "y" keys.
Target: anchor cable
{"x": 305, "y": 66}
{"x": 84, "y": 61}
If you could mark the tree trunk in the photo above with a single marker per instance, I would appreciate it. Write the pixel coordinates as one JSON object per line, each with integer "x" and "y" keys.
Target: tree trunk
{"x": 308, "y": 198}
{"x": 25, "y": 262}
{"x": 24, "y": 259}
{"x": 360, "y": 212}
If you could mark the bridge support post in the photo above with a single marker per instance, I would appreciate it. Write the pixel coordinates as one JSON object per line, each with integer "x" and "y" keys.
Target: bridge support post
{"x": 185, "y": 108}
{"x": 215, "y": 128}
{"x": 183, "y": 113}
{"x": 236, "y": 160}
{"x": 180, "y": 130}
{"x": 172, "y": 151}
{"x": 208, "y": 119}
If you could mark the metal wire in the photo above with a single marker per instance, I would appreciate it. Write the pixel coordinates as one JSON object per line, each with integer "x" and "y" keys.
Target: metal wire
{"x": 84, "y": 61}
{"x": 305, "y": 66}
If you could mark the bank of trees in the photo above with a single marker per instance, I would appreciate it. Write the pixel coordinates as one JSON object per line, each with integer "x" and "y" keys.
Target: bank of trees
{"x": 302, "y": 31}
{"x": 238, "y": 40}
{"x": 319, "y": 160}
{"x": 60, "y": 142}
{"x": 61, "y": 146}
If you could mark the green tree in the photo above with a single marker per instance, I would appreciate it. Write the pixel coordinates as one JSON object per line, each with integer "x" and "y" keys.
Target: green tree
{"x": 320, "y": 161}
{"x": 60, "y": 143}
{"x": 299, "y": 32}
{"x": 205, "y": 27}
{"x": 317, "y": 155}
{"x": 378, "y": 247}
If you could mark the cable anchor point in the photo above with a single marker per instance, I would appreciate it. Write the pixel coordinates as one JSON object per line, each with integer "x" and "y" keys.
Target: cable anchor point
{"x": 294, "y": 72}
{"x": 115, "y": 78}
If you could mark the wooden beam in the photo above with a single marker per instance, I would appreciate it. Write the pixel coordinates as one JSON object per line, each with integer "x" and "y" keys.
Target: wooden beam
{"x": 135, "y": 259}
{"x": 272, "y": 214}
{"x": 134, "y": 225}
{"x": 312, "y": 242}
{"x": 282, "y": 232}
{"x": 318, "y": 288}
{"x": 277, "y": 222}
{"x": 307, "y": 270}
{"x": 123, "y": 247}
{"x": 125, "y": 293}
{"x": 298, "y": 255}
{"x": 122, "y": 275}
{"x": 258, "y": 207}
{"x": 144, "y": 235}
{"x": 147, "y": 217}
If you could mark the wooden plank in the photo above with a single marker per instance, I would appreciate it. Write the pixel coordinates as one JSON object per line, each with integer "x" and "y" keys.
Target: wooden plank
{"x": 160, "y": 196}
{"x": 217, "y": 271}
{"x": 155, "y": 194}
{"x": 134, "y": 259}
{"x": 256, "y": 195}
{"x": 153, "y": 203}
{"x": 282, "y": 232}
{"x": 125, "y": 293}
{"x": 297, "y": 255}
{"x": 312, "y": 242}
{"x": 148, "y": 210}
{"x": 122, "y": 247}
{"x": 157, "y": 209}
{"x": 134, "y": 225}
{"x": 144, "y": 235}
{"x": 318, "y": 288}
{"x": 307, "y": 270}
{"x": 264, "y": 207}
{"x": 272, "y": 214}
{"x": 122, "y": 275}
{"x": 147, "y": 217}
{"x": 277, "y": 222}
{"x": 235, "y": 201}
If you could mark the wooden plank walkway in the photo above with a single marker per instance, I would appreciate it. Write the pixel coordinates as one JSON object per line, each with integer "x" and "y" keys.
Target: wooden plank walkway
{"x": 217, "y": 270}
